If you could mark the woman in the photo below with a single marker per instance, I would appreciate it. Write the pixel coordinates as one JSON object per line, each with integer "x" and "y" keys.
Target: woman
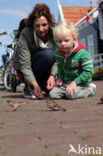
{"x": 34, "y": 56}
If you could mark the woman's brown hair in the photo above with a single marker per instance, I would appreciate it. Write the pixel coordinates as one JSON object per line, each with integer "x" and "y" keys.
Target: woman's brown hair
{"x": 38, "y": 11}
{"x": 22, "y": 25}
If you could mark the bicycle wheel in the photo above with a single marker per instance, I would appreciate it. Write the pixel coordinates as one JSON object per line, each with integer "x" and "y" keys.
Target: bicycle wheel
{"x": 8, "y": 76}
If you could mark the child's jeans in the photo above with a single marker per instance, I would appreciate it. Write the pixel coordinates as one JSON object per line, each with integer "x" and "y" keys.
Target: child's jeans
{"x": 82, "y": 91}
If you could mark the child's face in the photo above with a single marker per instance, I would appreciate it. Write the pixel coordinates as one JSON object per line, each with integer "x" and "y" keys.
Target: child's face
{"x": 66, "y": 43}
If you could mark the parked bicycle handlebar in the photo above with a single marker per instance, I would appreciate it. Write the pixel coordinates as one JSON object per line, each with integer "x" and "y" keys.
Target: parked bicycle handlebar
{"x": 4, "y": 33}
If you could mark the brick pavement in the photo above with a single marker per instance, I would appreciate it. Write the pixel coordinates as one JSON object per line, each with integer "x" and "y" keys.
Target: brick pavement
{"x": 34, "y": 130}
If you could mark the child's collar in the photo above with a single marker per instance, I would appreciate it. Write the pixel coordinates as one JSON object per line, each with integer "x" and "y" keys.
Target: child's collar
{"x": 77, "y": 46}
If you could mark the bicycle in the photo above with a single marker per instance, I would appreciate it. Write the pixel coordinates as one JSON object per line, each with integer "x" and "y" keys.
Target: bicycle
{"x": 11, "y": 77}
{"x": 2, "y": 66}
{"x": 7, "y": 65}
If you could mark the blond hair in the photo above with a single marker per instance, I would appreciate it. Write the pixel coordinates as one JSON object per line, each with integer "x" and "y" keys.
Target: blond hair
{"x": 63, "y": 28}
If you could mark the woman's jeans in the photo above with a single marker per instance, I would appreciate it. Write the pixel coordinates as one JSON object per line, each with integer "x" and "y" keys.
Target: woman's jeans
{"x": 42, "y": 62}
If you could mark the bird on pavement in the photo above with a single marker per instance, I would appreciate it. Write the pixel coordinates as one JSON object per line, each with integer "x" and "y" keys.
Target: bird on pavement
{"x": 54, "y": 106}
{"x": 101, "y": 99}
{"x": 15, "y": 104}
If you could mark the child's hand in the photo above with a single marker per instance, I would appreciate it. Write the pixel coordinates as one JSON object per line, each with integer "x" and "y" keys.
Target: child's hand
{"x": 71, "y": 88}
{"x": 59, "y": 82}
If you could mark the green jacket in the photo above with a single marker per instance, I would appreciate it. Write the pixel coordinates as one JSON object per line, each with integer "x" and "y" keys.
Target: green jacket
{"x": 77, "y": 66}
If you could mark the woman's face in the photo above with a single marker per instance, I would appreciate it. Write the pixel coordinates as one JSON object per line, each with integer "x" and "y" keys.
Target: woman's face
{"x": 41, "y": 26}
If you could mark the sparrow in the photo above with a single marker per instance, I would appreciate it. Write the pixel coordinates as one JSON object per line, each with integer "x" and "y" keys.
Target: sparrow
{"x": 54, "y": 106}
{"x": 15, "y": 104}
{"x": 101, "y": 99}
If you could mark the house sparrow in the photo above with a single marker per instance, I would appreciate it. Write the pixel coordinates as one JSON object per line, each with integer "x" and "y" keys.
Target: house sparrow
{"x": 101, "y": 99}
{"x": 54, "y": 106}
{"x": 15, "y": 104}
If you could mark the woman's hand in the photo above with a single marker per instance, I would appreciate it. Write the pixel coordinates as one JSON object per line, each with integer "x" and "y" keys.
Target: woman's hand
{"x": 59, "y": 82}
{"x": 71, "y": 88}
{"x": 51, "y": 82}
{"x": 37, "y": 90}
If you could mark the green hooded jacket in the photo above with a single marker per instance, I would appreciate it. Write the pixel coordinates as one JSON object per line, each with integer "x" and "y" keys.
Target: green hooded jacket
{"x": 76, "y": 66}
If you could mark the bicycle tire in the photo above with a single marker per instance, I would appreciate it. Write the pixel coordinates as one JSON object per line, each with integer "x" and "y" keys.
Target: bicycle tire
{"x": 8, "y": 76}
